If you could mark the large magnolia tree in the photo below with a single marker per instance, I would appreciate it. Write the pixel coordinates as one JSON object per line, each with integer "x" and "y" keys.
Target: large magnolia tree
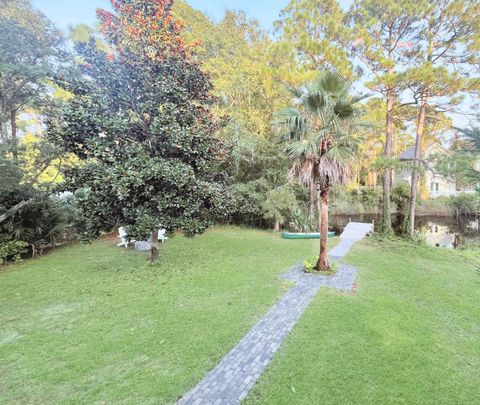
{"x": 322, "y": 131}
{"x": 139, "y": 122}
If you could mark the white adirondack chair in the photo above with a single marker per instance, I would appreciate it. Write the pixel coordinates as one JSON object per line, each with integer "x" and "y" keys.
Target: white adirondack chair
{"x": 122, "y": 234}
{"x": 162, "y": 235}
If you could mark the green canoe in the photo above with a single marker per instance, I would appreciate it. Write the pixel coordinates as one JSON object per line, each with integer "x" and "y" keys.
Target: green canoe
{"x": 299, "y": 235}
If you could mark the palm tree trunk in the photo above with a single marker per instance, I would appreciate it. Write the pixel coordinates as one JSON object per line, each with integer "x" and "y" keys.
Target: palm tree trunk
{"x": 322, "y": 264}
{"x": 313, "y": 197}
{"x": 416, "y": 163}
{"x": 387, "y": 175}
{"x": 318, "y": 204}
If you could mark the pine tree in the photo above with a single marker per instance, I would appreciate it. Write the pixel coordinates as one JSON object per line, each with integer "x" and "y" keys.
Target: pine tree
{"x": 443, "y": 59}
{"x": 383, "y": 32}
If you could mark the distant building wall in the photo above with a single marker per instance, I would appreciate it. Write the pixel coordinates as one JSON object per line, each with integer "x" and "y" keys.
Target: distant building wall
{"x": 436, "y": 184}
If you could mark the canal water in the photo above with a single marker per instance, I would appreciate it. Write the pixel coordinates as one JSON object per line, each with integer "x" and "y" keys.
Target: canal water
{"x": 448, "y": 232}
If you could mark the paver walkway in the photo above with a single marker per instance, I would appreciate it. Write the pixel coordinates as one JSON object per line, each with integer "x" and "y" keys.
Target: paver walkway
{"x": 233, "y": 378}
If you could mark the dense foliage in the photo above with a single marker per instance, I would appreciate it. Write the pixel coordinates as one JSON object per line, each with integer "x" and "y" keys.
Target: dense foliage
{"x": 140, "y": 124}
{"x": 29, "y": 217}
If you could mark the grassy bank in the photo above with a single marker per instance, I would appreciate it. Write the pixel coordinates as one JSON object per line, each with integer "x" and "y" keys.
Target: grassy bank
{"x": 97, "y": 324}
{"x": 409, "y": 334}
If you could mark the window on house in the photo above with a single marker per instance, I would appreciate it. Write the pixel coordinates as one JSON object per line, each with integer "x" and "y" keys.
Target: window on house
{"x": 434, "y": 186}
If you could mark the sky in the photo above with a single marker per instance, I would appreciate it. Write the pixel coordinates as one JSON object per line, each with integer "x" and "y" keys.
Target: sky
{"x": 72, "y": 12}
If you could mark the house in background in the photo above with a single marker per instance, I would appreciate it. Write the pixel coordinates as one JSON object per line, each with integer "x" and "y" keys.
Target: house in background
{"x": 437, "y": 184}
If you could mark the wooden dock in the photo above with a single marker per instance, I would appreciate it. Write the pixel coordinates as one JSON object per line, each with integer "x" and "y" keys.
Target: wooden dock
{"x": 353, "y": 232}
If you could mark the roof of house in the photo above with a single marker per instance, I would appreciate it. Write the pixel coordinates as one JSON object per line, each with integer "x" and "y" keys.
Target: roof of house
{"x": 408, "y": 154}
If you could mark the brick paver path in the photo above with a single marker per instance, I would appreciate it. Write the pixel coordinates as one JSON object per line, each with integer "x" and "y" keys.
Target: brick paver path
{"x": 233, "y": 378}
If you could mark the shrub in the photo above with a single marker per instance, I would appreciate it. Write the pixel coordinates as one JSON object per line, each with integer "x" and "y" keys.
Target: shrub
{"x": 434, "y": 206}
{"x": 357, "y": 201}
{"x": 300, "y": 221}
{"x": 310, "y": 263}
{"x": 279, "y": 204}
{"x": 370, "y": 198}
{"x": 248, "y": 200}
{"x": 10, "y": 250}
{"x": 465, "y": 205}
{"x": 343, "y": 202}
{"x": 401, "y": 198}
{"x": 41, "y": 222}
{"x": 401, "y": 195}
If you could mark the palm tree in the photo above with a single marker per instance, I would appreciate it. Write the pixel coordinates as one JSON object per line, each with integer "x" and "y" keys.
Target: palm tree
{"x": 321, "y": 141}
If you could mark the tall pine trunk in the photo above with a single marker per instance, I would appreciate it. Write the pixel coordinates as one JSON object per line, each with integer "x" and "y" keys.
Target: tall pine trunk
{"x": 387, "y": 175}
{"x": 416, "y": 162}
{"x": 322, "y": 264}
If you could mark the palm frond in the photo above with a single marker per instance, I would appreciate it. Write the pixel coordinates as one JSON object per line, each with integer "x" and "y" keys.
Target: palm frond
{"x": 305, "y": 148}
{"x": 341, "y": 154}
{"x": 344, "y": 109}
{"x": 332, "y": 84}
{"x": 315, "y": 101}
{"x": 321, "y": 135}
{"x": 367, "y": 125}
{"x": 322, "y": 144}
{"x": 297, "y": 92}
{"x": 294, "y": 122}
{"x": 358, "y": 98}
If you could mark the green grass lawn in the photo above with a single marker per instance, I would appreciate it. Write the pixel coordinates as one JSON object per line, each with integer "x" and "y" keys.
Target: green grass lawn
{"x": 409, "y": 334}
{"x": 97, "y": 324}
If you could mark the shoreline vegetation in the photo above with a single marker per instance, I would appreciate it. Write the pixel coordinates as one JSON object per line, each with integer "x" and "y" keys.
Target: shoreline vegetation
{"x": 369, "y": 201}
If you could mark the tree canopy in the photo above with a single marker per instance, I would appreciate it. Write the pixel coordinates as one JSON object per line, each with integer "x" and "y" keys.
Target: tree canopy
{"x": 140, "y": 123}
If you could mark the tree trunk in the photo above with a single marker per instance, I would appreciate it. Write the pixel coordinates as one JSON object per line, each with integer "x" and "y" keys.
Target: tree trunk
{"x": 322, "y": 264}
{"x": 12, "y": 211}
{"x": 154, "y": 251}
{"x": 416, "y": 163}
{"x": 3, "y": 132}
{"x": 313, "y": 197}
{"x": 276, "y": 227}
{"x": 318, "y": 204}
{"x": 3, "y": 123}
{"x": 13, "y": 123}
{"x": 387, "y": 175}
{"x": 372, "y": 180}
